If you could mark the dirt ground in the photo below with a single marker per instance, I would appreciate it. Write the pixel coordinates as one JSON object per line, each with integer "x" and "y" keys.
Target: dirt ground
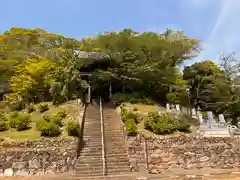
{"x": 235, "y": 176}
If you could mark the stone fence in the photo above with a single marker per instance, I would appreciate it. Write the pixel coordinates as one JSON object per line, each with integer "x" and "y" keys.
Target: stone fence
{"x": 37, "y": 157}
{"x": 183, "y": 152}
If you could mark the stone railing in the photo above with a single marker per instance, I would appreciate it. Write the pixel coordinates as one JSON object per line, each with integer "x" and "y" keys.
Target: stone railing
{"x": 183, "y": 152}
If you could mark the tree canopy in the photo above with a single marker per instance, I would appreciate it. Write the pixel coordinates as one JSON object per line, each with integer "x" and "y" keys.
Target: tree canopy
{"x": 146, "y": 63}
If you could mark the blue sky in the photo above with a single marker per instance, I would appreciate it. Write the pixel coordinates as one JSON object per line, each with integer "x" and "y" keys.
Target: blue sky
{"x": 214, "y": 22}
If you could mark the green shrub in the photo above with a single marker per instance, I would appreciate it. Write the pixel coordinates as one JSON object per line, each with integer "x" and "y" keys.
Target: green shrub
{"x": 12, "y": 118}
{"x": 127, "y": 114}
{"x": 43, "y": 107}
{"x": 3, "y": 126}
{"x": 23, "y": 121}
{"x": 31, "y": 108}
{"x": 40, "y": 123}
{"x": 62, "y": 114}
{"x": 182, "y": 125}
{"x": 3, "y": 116}
{"x": 48, "y": 129}
{"x": 46, "y": 118}
{"x": 165, "y": 123}
{"x": 56, "y": 119}
{"x": 3, "y": 122}
{"x": 131, "y": 127}
{"x": 72, "y": 128}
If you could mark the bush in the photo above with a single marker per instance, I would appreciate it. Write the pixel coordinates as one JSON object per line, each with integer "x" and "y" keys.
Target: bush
{"x": 55, "y": 119}
{"x": 3, "y": 126}
{"x": 18, "y": 120}
{"x": 48, "y": 129}
{"x": 182, "y": 125}
{"x": 131, "y": 127}
{"x": 46, "y": 118}
{"x": 62, "y": 114}
{"x": 3, "y": 116}
{"x": 3, "y": 122}
{"x": 43, "y": 107}
{"x": 41, "y": 123}
{"x": 165, "y": 123}
{"x": 23, "y": 121}
{"x": 72, "y": 128}
{"x": 12, "y": 118}
{"x": 31, "y": 108}
{"x": 126, "y": 114}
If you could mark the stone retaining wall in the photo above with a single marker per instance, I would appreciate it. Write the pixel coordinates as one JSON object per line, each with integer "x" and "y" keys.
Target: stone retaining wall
{"x": 53, "y": 155}
{"x": 184, "y": 152}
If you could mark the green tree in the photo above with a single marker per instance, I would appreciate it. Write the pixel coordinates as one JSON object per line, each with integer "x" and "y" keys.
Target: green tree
{"x": 31, "y": 81}
{"x": 209, "y": 87}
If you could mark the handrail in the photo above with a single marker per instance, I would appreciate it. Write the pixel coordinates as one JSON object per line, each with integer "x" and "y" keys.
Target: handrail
{"x": 102, "y": 134}
{"x": 80, "y": 134}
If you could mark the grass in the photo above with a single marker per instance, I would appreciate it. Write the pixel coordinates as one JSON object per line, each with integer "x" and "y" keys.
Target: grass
{"x": 32, "y": 133}
{"x": 141, "y": 108}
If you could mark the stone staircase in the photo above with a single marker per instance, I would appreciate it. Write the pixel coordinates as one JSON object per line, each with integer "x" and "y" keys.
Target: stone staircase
{"x": 116, "y": 157}
{"x": 90, "y": 161}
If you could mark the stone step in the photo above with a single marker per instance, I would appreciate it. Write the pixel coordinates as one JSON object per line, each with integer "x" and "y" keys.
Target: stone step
{"x": 92, "y": 155}
{"x": 88, "y": 150}
{"x": 120, "y": 151}
{"x": 118, "y": 170}
{"x": 117, "y": 159}
{"x": 119, "y": 155}
{"x": 86, "y": 173}
{"x": 82, "y": 169}
{"x": 85, "y": 164}
{"x": 89, "y": 161}
{"x": 111, "y": 164}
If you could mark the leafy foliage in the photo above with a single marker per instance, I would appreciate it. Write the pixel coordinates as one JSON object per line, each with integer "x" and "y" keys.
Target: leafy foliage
{"x": 42, "y": 107}
{"x": 127, "y": 114}
{"x": 31, "y": 108}
{"x": 18, "y": 120}
{"x": 140, "y": 67}
{"x": 131, "y": 127}
{"x": 72, "y": 128}
{"x": 120, "y": 98}
{"x": 3, "y": 126}
{"x": 48, "y": 129}
{"x": 165, "y": 123}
